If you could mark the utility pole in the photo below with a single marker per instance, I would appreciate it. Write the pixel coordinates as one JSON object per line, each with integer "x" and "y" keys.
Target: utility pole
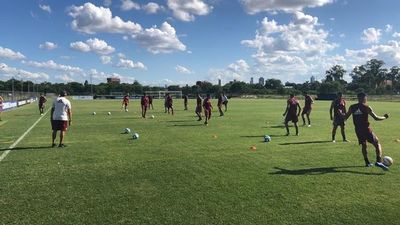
{"x": 12, "y": 88}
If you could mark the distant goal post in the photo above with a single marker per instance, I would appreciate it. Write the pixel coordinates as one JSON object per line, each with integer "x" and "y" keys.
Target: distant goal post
{"x": 161, "y": 94}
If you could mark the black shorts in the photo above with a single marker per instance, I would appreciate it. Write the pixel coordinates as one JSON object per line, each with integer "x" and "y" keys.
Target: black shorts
{"x": 365, "y": 135}
{"x": 338, "y": 121}
{"x": 291, "y": 117}
{"x": 59, "y": 125}
{"x": 306, "y": 110}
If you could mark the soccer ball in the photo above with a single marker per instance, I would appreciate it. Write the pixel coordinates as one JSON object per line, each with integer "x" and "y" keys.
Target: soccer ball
{"x": 135, "y": 136}
{"x": 109, "y": 113}
{"x": 388, "y": 161}
{"x": 94, "y": 113}
{"x": 152, "y": 116}
{"x": 127, "y": 130}
{"x": 267, "y": 138}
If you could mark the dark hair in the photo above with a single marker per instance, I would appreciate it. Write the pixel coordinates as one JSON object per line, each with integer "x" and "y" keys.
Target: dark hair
{"x": 63, "y": 93}
{"x": 208, "y": 95}
{"x": 291, "y": 95}
{"x": 361, "y": 95}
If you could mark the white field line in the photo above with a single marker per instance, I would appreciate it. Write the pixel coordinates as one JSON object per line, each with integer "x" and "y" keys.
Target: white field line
{"x": 5, "y": 153}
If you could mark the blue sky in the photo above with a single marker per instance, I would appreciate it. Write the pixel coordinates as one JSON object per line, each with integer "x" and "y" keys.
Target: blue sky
{"x": 181, "y": 41}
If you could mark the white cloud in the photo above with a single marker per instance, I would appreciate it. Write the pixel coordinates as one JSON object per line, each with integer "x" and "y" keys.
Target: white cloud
{"x": 388, "y": 28}
{"x": 45, "y": 8}
{"x": 21, "y": 74}
{"x": 342, "y": 35}
{"x": 186, "y": 10}
{"x": 256, "y": 6}
{"x": 65, "y": 78}
{"x": 371, "y": 35}
{"x": 121, "y": 55}
{"x": 396, "y": 35}
{"x": 160, "y": 40}
{"x": 105, "y": 59}
{"x": 107, "y": 3}
{"x": 93, "y": 45}
{"x": 238, "y": 70}
{"x": 389, "y": 53}
{"x": 48, "y": 45}
{"x": 183, "y": 70}
{"x": 50, "y": 64}
{"x": 129, "y": 64}
{"x": 10, "y": 54}
{"x": 91, "y": 19}
{"x": 152, "y": 8}
{"x": 128, "y": 5}
{"x": 101, "y": 76}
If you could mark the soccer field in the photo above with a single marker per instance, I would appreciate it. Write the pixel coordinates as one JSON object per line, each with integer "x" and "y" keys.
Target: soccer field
{"x": 182, "y": 172}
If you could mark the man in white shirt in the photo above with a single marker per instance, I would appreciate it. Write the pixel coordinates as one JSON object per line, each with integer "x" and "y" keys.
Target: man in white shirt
{"x": 61, "y": 117}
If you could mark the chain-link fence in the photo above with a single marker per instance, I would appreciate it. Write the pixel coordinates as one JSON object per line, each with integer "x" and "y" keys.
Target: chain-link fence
{"x": 8, "y": 95}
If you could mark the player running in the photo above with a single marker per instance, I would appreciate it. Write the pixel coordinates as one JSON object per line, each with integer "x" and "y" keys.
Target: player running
{"x": 291, "y": 113}
{"x": 225, "y": 101}
{"x": 198, "y": 110}
{"x": 1, "y": 105}
{"x": 144, "y": 103}
{"x": 169, "y": 102}
{"x": 150, "y": 101}
{"x": 125, "y": 102}
{"x": 307, "y": 109}
{"x": 220, "y": 103}
{"x": 338, "y": 107}
{"x": 185, "y": 102}
{"x": 207, "y": 108}
{"x": 360, "y": 112}
{"x": 42, "y": 100}
{"x": 61, "y": 117}
{"x": 165, "y": 103}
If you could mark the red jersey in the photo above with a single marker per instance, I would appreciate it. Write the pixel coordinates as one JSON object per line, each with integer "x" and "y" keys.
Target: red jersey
{"x": 125, "y": 99}
{"x": 207, "y": 104}
{"x": 308, "y": 102}
{"x": 360, "y": 116}
{"x": 42, "y": 100}
{"x": 144, "y": 101}
{"x": 339, "y": 106}
{"x": 169, "y": 100}
{"x": 292, "y": 102}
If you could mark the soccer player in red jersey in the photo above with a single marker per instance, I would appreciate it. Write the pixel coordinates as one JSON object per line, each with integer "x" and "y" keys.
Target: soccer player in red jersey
{"x": 144, "y": 103}
{"x": 338, "y": 107}
{"x": 165, "y": 103}
{"x": 307, "y": 109}
{"x": 198, "y": 111}
{"x": 1, "y": 105}
{"x": 291, "y": 113}
{"x": 42, "y": 100}
{"x": 185, "y": 101}
{"x": 150, "y": 101}
{"x": 125, "y": 102}
{"x": 169, "y": 104}
{"x": 360, "y": 112}
{"x": 207, "y": 108}
{"x": 220, "y": 103}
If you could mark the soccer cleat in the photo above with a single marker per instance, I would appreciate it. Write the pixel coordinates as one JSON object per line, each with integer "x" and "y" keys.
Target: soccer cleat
{"x": 369, "y": 165}
{"x": 381, "y": 165}
{"x": 333, "y": 141}
{"x": 53, "y": 145}
{"x": 62, "y": 146}
{"x": 345, "y": 140}
{"x": 309, "y": 125}
{"x": 287, "y": 134}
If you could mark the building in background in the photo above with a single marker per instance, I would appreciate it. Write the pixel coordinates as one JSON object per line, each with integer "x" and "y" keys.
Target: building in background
{"x": 219, "y": 82}
{"x": 251, "y": 80}
{"x": 312, "y": 79}
{"x": 113, "y": 80}
{"x": 261, "y": 81}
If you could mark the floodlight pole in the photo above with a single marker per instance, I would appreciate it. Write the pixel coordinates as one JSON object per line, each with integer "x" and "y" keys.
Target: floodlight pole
{"x": 12, "y": 88}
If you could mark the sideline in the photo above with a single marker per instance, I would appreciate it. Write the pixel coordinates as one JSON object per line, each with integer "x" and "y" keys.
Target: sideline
{"x": 5, "y": 153}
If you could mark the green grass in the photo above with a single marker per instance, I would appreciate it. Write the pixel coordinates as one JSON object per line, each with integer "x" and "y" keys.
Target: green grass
{"x": 178, "y": 173}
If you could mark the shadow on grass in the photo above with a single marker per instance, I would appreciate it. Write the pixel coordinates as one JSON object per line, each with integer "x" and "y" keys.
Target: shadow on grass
{"x": 262, "y": 136}
{"x": 305, "y": 142}
{"x": 27, "y": 148}
{"x": 322, "y": 170}
{"x": 186, "y": 125}
{"x": 178, "y": 121}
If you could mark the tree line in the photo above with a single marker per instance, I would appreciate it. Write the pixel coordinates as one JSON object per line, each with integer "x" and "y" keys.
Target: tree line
{"x": 370, "y": 77}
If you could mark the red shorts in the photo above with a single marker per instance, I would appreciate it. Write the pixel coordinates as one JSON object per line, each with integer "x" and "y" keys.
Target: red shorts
{"x": 207, "y": 112}
{"x": 125, "y": 103}
{"x": 306, "y": 110}
{"x": 59, "y": 125}
{"x": 145, "y": 107}
{"x": 291, "y": 117}
{"x": 169, "y": 105}
{"x": 198, "y": 109}
{"x": 365, "y": 135}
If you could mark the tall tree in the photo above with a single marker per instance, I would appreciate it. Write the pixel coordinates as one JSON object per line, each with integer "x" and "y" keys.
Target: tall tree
{"x": 335, "y": 73}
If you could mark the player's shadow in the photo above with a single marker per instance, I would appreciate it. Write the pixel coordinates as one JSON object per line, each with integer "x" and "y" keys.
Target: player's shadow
{"x": 262, "y": 136}
{"x": 305, "y": 142}
{"x": 178, "y": 121}
{"x": 186, "y": 125}
{"x": 26, "y": 148}
{"x": 322, "y": 170}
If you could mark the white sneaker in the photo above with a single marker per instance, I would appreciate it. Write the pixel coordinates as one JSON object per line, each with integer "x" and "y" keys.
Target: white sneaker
{"x": 309, "y": 125}
{"x": 333, "y": 141}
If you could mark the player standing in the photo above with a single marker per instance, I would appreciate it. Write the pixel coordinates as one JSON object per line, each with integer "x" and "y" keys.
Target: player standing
{"x": 185, "y": 102}
{"x": 307, "y": 109}
{"x": 207, "y": 108}
{"x": 150, "y": 101}
{"x": 225, "y": 101}
{"x": 42, "y": 100}
{"x": 61, "y": 117}
{"x": 199, "y": 101}
{"x": 144, "y": 102}
{"x": 338, "y": 107}
{"x": 291, "y": 113}
{"x": 165, "y": 103}
{"x": 360, "y": 112}
{"x": 170, "y": 104}
{"x": 220, "y": 103}
{"x": 1, "y": 105}
{"x": 125, "y": 102}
